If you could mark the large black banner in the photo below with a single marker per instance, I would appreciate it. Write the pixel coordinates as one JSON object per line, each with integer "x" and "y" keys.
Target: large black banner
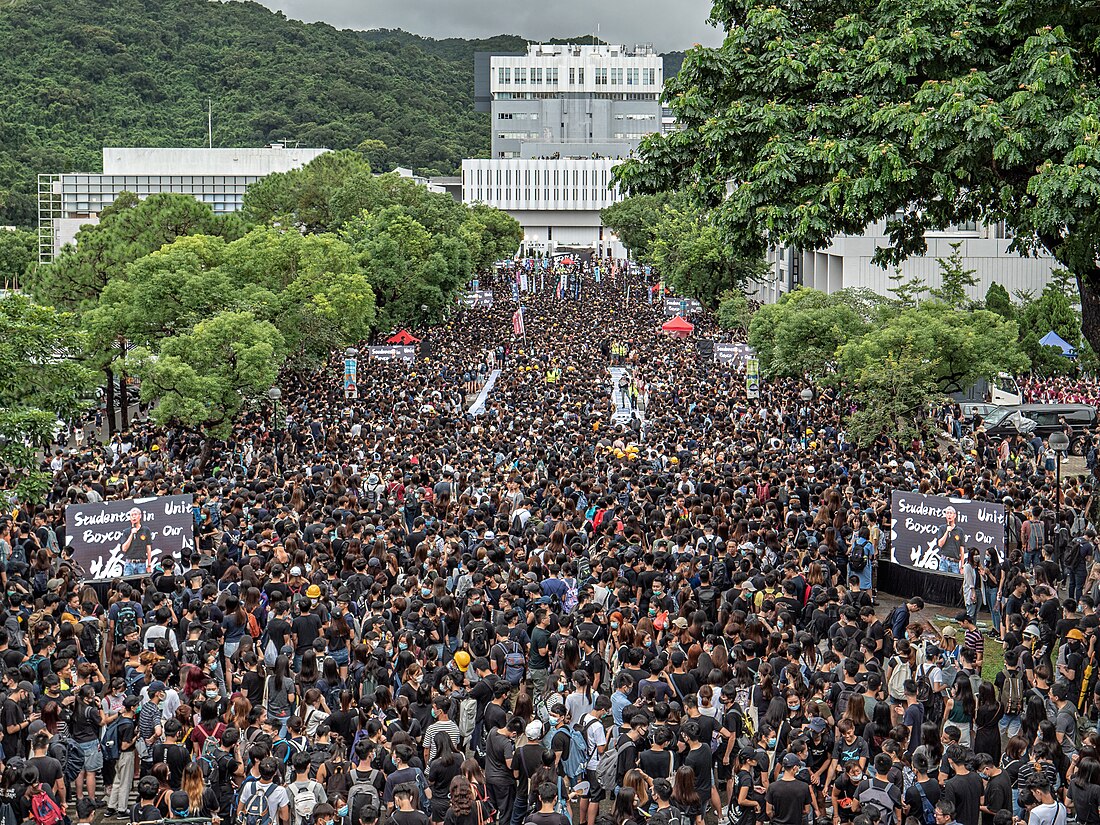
{"x": 919, "y": 523}
{"x": 125, "y": 538}
{"x": 682, "y": 306}
{"x": 733, "y": 353}
{"x": 393, "y": 353}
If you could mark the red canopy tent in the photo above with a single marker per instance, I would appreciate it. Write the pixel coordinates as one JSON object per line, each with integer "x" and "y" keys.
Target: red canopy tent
{"x": 403, "y": 338}
{"x": 678, "y": 327}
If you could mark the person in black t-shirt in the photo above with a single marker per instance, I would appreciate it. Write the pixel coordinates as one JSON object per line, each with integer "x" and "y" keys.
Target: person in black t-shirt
{"x": 306, "y": 628}
{"x": 748, "y": 796}
{"x": 546, "y": 814}
{"x": 404, "y": 812}
{"x": 998, "y": 791}
{"x": 175, "y": 755}
{"x": 659, "y": 761}
{"x": 844, "y": 790}
{"x": 49, "y": 769}
{"x": 964, "y": 789}
{"x": 15, "y": 721}
{"x": 931, "y": 786}
{"x": 788, "y": 799}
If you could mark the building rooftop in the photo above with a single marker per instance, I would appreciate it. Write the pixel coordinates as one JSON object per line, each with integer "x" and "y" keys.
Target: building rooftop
{"x": 250, "y": 161}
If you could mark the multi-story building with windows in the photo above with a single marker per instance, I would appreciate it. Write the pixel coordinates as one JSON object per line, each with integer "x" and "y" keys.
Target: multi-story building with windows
{"x": 574, "y": 101}
{"x": 218, "y": 177}
{"x": 847, "y": 263}
{"x": 562, "y": 116}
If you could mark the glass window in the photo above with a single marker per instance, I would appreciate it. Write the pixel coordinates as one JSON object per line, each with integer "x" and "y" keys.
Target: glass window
{"x": 580, "y": 75}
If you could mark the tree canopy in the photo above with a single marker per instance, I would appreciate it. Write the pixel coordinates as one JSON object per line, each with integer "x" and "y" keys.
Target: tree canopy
{"x": 84, "y": 75}
{"x": 819, "y": 118}
{"x": 680, "y": 238}
{"x": 201, "y": 378}
{"x": 44, "y": 380}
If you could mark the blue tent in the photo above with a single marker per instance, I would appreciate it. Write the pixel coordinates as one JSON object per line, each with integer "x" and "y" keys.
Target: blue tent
{"x": 1053, "y": 339}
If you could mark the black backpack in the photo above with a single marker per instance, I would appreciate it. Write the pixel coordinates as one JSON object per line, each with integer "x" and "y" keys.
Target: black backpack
{"x": 127, "y": 615}
{"x": 91, "y": 640}
{"x": 479, "y": 639}
{"x": 708, "y": 602}
{"x": 857, "y": 560}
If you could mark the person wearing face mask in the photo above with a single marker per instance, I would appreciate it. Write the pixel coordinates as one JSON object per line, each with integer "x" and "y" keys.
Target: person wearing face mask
{"x": 538, "y": 659}
{"x": 1071, "y": 662}
{"x": 441, "y": 723}
{"x": 326, "y": 814}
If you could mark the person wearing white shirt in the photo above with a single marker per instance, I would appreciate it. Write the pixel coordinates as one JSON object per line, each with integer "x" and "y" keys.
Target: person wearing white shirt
{"x": 1049, "y": 811}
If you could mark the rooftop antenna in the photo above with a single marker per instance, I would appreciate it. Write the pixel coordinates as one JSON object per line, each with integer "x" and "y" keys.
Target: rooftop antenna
{"x": 209, "y": 124}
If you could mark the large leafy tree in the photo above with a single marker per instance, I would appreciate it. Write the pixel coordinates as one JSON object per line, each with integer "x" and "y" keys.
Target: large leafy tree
{"x": 917, "y": 357}
{"x": 128, "y": 229}
{"x": 18, "y": 249}
{"x": 801, "y": 333}
{"x": 44, "y": 380}
{"x": 817, "y": 118}
{"x": 691, "y": 253}
{"x": 200, "y": 379}
{"x": 956, "y": 348}
{"x": 633, "y": 220}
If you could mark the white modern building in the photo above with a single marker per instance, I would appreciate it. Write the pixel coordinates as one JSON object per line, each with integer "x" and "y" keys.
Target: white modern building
{"x": 574, "y": 101}
{"x": 847, "y": 263}
{"x": 556, "y": 201}
{"x": 218, "y": 177}
{"x": 562, "y": 116}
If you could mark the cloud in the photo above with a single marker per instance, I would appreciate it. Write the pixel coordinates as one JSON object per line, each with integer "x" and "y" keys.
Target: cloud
{"x": 668, "y": 26}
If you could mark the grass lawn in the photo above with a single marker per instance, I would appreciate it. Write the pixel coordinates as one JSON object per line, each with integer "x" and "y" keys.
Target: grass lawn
{"x": 993, "y": 661}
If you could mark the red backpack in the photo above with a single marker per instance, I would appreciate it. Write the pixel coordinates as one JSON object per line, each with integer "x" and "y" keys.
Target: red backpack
{"x": 44, "y": 810}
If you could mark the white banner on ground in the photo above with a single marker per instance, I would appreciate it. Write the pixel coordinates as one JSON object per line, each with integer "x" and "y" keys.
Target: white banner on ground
{"x": 478, "y": 407}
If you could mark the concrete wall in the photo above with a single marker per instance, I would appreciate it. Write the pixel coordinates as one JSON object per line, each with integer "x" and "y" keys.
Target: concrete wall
{"x": 241, "y": 161}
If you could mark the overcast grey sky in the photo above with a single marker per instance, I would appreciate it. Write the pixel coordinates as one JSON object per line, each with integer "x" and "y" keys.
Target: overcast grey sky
{"x": 669, "y": 26}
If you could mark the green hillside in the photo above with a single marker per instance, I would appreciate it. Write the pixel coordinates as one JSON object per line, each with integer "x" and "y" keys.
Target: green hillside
{"x": 79, "y": 75}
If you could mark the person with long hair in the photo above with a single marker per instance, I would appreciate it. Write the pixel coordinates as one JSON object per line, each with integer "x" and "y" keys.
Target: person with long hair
{"x": 466, "y": 805}
{"x": 987, "y": 720}
{"x": 331, "y": 682}
{"x": 235, "y": 626}
{"x": 85, "y": 726}
{"x": 959, "y": 710}
{"x": 642, "y": 786}
{"x": 1035, "y": 713}
{"x": 684, "y": 796}
{"x": 338, "y": 634}
{"x": 442, "y": 770}
{"x": 473, "y": 773}
{"x": 280, "y": 695}
{"x": 625, "y": 810}
{"x": 195, "y": 798}
{"x": 1084, "y": 791}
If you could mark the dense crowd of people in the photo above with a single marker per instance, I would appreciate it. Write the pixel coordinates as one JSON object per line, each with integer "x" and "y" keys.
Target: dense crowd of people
{"x": 395, "y": 612}
{"x": 1062, "y": 389}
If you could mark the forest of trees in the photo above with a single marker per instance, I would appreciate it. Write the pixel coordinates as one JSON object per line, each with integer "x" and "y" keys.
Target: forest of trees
{"x": 81, "y": 75}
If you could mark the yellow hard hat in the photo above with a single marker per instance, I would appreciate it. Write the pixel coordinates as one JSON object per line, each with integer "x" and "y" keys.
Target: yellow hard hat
{"x": 462, "y": 659}
{"x": 313, "y": 591}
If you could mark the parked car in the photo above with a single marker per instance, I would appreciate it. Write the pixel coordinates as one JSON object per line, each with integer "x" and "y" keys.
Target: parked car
{"x": 1043, "y": 419}
{"x": 970, "y": 409}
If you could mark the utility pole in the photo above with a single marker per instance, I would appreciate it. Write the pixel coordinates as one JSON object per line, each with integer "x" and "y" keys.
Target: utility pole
{"x": 209, "y": 124}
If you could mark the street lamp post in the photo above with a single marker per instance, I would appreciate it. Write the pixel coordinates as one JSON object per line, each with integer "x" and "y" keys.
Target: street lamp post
{"x": 275, "y": 394}
{"x": 1059, "y": 442}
